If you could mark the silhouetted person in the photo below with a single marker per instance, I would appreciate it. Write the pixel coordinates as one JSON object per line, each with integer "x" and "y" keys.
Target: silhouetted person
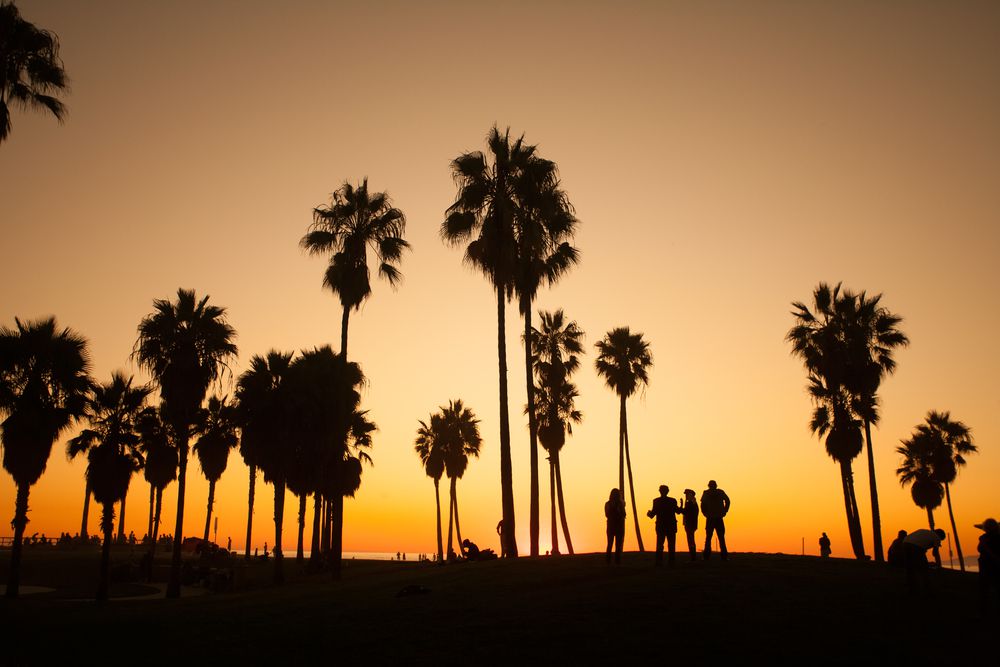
{"x": 915, "y": 546}
{"x": 614, "y": 512}
{"x": 989, "y": 564}
{"x": 229, "y": 544}
{"x": 894, "y": 557}
{"x": 690, "y": 517}
{"x": 715, "y": 505}
{"x": 824, "y": 546}
{"x": 471, "y": 549}
{"x": 503, "y": 552}
{"x": 665, "y": 510}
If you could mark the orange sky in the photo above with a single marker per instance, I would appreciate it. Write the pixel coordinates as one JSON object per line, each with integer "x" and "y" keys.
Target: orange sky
{"x": 722, "y": 158}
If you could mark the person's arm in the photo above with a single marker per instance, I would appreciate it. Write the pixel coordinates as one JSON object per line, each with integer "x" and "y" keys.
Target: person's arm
{"x": 725, "y": 503}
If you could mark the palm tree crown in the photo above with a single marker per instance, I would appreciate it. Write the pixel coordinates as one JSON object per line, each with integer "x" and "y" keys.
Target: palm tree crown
{"x": 624, "y": 360}
{"x": 31, "y": 72}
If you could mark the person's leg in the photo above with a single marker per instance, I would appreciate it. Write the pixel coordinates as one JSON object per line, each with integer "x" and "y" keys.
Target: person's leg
{"x": 691, "y": 547}
{"x": 721, "y": 532}
{"x": 659, "y": 547}
{"x": 611, "y": 539}
{"x": 709, "y": 532}
{"x": 672, "y": 545}
{"x": 910, "y": 565}
{"x": 619, "y": 543}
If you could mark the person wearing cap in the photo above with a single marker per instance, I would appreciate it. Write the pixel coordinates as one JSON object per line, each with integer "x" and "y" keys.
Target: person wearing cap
{"x": 690, "y": 514}
{"x": 915, "y": 547}
{"x": 715, "y": 506}
{"x": 989, "y": 563}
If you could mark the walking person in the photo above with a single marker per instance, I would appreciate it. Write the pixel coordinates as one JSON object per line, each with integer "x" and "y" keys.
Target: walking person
{"x": 665, "y": 510}
{"x": 715, "y": 505}
{"x": 824, "y": 546}
{"x": 614, "y": 512}
{"x": 690, "y": 518}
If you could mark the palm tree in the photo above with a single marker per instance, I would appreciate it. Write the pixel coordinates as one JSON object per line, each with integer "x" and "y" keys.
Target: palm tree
{"x": 487, "y": 213}
{"x": 218, "y": 436}
{"x": 556, "y": 347}
{"x": 160, "y": 454}
{"x": 31, "y": 72}
{"x": 920, "y": 453}
{"x": 624, "y": 360}
{"x": 112, "y": 444}
{"x": 185, "y": 346}
{"x": 44, "y": 383}
{"x": 259, "y": 415}
{"x": 431, "y": 455}
{"x": 355, "y": 222}
{"x": 544, "y": 223}
{"x": 72, "y": 452}
{"x": 952, "y": 441}
{"x": 871, "y": 334}
{"x": 818, "y": 338}
{"x": 459, "y": 440}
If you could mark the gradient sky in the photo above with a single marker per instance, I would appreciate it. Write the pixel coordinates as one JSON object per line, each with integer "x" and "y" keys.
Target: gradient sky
{"x": 723, "y": 158}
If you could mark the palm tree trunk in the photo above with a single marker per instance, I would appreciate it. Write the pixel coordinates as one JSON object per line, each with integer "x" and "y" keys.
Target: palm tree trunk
{"x": 121, "y": 519}
{"x": 954, "y": 530}
{"x": 856, "y": 513}
{"x": 930, "y": 522}
{"x": 174, "y": 584}
{"x": 250, "y": 492}
{"x": 562, "y": 505}
{"x": 86, "y": 509}
{"x": 437, "y": 501}
{"x": 107, "y": 529}
{"x": 631, "y": 490}
{"x": 299, "y": 547}
{"x": 20, "y": 522}
{"x": 154, "y": 533}
{"x": 533, "y": 519}
{"x": 621, "y": 448}
{"x": 849, "y": 511}
{"x": 279, "y": 516}
{"x": 451, "y": 519}
{"x": 876, "y": 515}
{"x": 506, "y": 470}
{"x": 344, "y": 321}
{"x": 152, "y": 508}
{"x": 458, "y": 526}
{"x": 317, "y": 515}
{"x": 337, "y": 534}
{"x": 552, "y": 505}
{"x": 325, "y": 531}
{"x": 211, "y": 502}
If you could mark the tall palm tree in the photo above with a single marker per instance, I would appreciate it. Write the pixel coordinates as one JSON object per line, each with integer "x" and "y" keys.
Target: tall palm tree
{"x": 44, "y": 383}
{"x": 112, "y": 442}
{"x": 72, "y": 452}
{"x": 185, "y": 346}
{"x": 871, "y": 334}
{"x": 952, "y": 441}
{"x": 487, "y": 212}
{"x": 260, "y": 416}
{"x": 31, "y": 72}
{"x": 624, "y": 360}
{"x": 431, "y": 453}
{"x": 544, "y": 225}
{"x": 218, "y": 435}
{"x": 920, "y": 453}
{"x": 355, "y": 222}
{"x": 818, "y": 337}
{"x": 160, "y": 454}
{"x": 459, "y": 440}
{"x": 555, "y": 349}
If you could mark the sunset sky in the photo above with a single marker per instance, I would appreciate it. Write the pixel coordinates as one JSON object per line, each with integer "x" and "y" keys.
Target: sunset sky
{"x": 723, "y": 158}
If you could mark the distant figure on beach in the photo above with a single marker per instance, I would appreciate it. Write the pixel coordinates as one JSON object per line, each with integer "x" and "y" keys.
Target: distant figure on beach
{"x": 715, "y": 505}
{"x": 989, "y": 564}
{"x": 503, "y": 554}
{"x": 690, "y": 515}
{"x": 665, "y": 510}
{"x": 915, "y": 547}
{"x": 894, "y": 557}
{"x": 614, "y": 512}
{"x": 471, "y": 549}
{"x": 229, "y": 544}
{"x": 824, "y": 546}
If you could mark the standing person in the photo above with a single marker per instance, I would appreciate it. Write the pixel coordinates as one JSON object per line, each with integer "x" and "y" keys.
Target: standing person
{"x": 715, "y": 505}
{"x": 915, "y": 547}
{"x": 824, "y": 546}
{"x": 614, "y": 512}
{"x": 665, "y": 510}
{"x": 503, "y": 552}
{"x": 690, "y": 514}
{"x": 989, "y": 564}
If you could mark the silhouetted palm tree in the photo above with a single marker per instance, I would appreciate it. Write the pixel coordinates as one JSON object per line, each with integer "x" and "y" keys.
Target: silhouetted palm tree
{"x": 543, "y": 226}
{"x": 185, "y": 346}
{"x": 355, "y": 222}
{"x": 487, "y": 212}
{"x": 218, "y": 436}
{"x": 950, "y": 442}
{"x": 160, "y": 454}
{"x": 73, "y": 451}
{"x": 920, "y": 452}
{"x": 260, "y": 415}
{"x": 431, "y": 455}
{"x": 460, "y": 439}
{"x": 112, "y": 446}
{"x": 43, "y": 387}
{"x": 31, "y": 72}
{"x": 819, "y": 339}
{"x": 624, "y": 360}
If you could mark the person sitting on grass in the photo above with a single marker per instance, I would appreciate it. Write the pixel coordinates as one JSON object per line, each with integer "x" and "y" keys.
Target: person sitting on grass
{"x": 824, "y": 546}
{"x": 915, "y": 548}
{"x": 894, "y": 557}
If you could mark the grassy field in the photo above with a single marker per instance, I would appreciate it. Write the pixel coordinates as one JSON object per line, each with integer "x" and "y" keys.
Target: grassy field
{"x": 770, "y": 607}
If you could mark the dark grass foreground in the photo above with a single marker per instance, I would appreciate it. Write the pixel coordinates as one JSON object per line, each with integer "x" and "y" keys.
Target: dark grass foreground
{"x": 768, "y": 608}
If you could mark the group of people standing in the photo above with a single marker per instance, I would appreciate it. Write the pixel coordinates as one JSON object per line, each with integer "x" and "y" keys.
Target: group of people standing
{"x": 714, "y": 506}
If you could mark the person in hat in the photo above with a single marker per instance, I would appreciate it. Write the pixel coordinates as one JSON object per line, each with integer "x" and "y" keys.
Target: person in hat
{"x": 989, "y": 563}
{"x": 715, "y": 505}
{"x": 689, "y": 512}
{"x": 915, "y": 548}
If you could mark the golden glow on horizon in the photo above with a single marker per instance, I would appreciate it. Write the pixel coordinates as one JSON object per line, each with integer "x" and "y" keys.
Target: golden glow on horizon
{"x": 721, "y": 163}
